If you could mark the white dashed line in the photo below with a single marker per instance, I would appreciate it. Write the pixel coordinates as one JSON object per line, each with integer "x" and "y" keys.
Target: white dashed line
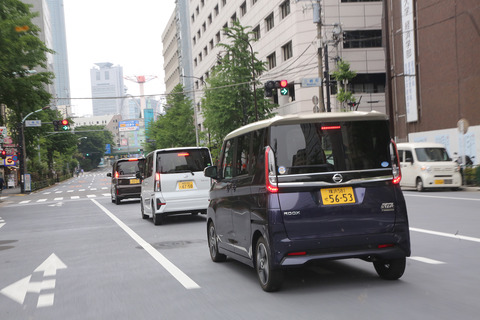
{"x": 74, "y": 197}
{"x": 41, "y": 200}
{"x": 58, "y": 199}
{"x": 426, "y": 260}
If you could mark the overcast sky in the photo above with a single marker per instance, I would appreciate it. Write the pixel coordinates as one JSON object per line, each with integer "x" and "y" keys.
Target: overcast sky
{"x": 124, "y": 32}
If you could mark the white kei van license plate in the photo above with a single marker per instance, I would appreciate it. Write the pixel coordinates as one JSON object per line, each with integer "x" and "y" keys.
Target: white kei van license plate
{"x": 183, "y": 185}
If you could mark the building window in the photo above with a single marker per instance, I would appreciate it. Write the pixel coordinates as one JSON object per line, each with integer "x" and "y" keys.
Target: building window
{"x": 243, "y": 9}
{"x": 202, "y": 2}
{"x": 210, "y": 19}
{"x": 199, "y": 34}
{"x": 197, "y": 10}
{"x": 107, "y": 75}
{"x": 193, "y": 18}
{"x": 195, "y": 62}
{"x": 285, "y": 9}
{"x": 254, "y": 1}
{"x": 194, "y": 40}
{"x": 224, "y": 3}
{"x": 97, "y": 75}
{"x": 205, "y": 51}
{"x": 272, "y": 61}
{"x": 211, "y": 44}
{"x": 287, "y": 51}
{"x": 233, "y": 19}
{"x": 215, "y": 10}
{"x": 217, "y": 37}
{"x": 367, "y": 83}
{"x": 269, "y": 22}
{"x": 204, "y": 26}
{"x": 362, "y": 39}
{"x": 256, "y": 32}
{"x": 200, "y": 57}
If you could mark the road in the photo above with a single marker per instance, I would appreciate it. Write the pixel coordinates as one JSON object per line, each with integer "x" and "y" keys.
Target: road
{"x": 68, "y": 252}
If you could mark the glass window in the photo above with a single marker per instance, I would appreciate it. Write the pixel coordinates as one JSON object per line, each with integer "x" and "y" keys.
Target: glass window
{"x": 227, "y": 162}
{"x": 272, "y": 61}
{"x": 129, "y": 167}
{"x": 432, "y": 154}
{"x": 256, "y": 32}
{"x": 243, "y": 155}
{"x": 243, "y": 8}
{"x": 325, "y": 147}
{"x": 362, "y": 39}
{"x": 189, "y": 160}
{"x": 287, "y": 51}
{"x": 269, "y": 22}
{"x": 285, "y": 9}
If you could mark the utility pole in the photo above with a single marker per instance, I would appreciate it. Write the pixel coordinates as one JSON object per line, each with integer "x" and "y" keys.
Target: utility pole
{"x": 317, "y": 18}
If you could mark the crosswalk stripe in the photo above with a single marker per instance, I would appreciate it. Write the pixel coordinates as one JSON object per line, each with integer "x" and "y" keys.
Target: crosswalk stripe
{"x": 91, "y": 196}
{"x": 41, "y": 200}
{"x": 25, "y": 201}
{"x": 74, "y": 197}
{"x": 58, "y": 199}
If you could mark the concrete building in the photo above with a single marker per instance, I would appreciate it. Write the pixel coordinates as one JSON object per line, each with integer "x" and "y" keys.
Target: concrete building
{"x": 285, "y": 35}
{"x": 433, "y": 51}
{"x": 107, "y": 82}
{"x": 110, "y": 122}
{"x": 60, "y": 57}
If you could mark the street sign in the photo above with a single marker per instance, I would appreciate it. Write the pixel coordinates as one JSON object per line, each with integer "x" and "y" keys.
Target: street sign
{"x": 33, "y": 123}
{"x": 311, "y": 82}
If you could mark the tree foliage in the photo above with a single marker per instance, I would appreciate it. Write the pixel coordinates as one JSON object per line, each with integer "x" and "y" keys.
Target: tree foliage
{"x": 176, "y": 128}
{"x": 229, "y": 101}
{"x": 91, "y": 145}
{"x": 23, "y": 59}
{"x": 343, "y": 74}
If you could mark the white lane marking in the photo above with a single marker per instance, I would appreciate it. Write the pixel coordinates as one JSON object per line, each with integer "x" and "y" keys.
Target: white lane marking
{"x": 2, "y": 222}
{"x": 426, "y": 260}
{"x": 41, "y": 200}
{"x": 81, "y": 190}
{"x": 448, "y": 235}
{"x": 45, "y": 300}
{"x": 70, "y": 190}
{"x": 91, "y": 196}
{"x": 93, "y": 189}
{"x": 58, "y": 199}
{"x": 58, "y": 191}
{"x": 178, "y": 274}
{"x": 106, "y": 194}
{"x": 74, "y": 197}
{"x": 439, "y": 197}
{"x": 25, "y": 201}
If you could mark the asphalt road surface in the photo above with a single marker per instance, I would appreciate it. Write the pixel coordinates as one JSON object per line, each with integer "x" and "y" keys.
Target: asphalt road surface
{"x": 68, "y": 252}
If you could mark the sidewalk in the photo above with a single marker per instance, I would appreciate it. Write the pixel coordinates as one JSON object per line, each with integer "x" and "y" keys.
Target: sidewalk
{"x": 10, "y": 191}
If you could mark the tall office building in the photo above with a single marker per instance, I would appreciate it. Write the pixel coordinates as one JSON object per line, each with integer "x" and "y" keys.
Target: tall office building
{"x": 60, "y": 57}
{"x": 108, "y": 89}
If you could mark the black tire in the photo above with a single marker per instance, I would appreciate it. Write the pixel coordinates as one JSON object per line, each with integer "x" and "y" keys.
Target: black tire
{"x": 157, "y": 217}
{"x": 213, "y": 244}
{"x": 117, "y": 200}
{"x": 270, "y": 279}
{"x": 390, "y": 269}
{"x": 144, "y": 216}
{"x": 419, "y": 185}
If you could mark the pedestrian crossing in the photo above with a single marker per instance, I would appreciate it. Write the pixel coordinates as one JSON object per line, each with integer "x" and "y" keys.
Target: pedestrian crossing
{"x": 88, "y": 196}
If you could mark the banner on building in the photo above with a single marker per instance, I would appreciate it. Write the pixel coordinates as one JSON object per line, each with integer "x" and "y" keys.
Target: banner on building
{"x": 409, "y": 62}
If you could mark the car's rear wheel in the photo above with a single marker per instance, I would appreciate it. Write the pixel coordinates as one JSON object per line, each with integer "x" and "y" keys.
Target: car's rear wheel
{"x": 144, "y": 216}
{"x": 270, "y": 279}
{"x": 391, "y": 269}
{"x": 213, "y": 244}
{"x": 157, "y": 217}
{"x": 117, "y": 200}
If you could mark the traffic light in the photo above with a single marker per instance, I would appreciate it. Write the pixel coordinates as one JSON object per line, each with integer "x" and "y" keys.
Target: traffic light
{"x": 282, "y": 85}
{"x": 4, "y": 154}
{"x": 64, "y": 124}
{"x": 56, "y": 125}
{"x": 269, "y": 86}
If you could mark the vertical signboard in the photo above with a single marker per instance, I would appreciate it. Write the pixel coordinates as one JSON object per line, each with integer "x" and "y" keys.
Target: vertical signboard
{"x": 409, "y": 61}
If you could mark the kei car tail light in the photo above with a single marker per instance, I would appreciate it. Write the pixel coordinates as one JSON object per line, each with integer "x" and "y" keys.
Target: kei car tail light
{"x": 116, "y": 174}
{"x": 157, "y": 186}
{"x": 397, "y": 173}
{"x": 270, "y": 175}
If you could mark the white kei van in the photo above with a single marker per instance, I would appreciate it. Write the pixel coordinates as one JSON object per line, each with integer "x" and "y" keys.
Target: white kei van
{"x": 427, "y": 165}
{"x": 173, "y": 182}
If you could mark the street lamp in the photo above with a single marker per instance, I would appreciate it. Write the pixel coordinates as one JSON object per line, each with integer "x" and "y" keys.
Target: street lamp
{"x": 23, "y": 158}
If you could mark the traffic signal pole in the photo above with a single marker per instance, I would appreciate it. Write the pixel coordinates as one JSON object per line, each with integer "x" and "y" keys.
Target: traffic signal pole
{"x": 317, "y": 18}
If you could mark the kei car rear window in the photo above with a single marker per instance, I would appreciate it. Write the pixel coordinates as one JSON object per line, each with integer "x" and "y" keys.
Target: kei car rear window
{"x": 129, "y": 167}
{"x": 325, "y": 147}
{"x": 178, "y": 161}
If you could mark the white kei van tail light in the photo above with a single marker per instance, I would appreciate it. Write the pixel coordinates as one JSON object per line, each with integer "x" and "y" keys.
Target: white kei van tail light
{"x": 270, "y": 176}
{"x": 397, "y": 173}
{"x": 157, "y": 185}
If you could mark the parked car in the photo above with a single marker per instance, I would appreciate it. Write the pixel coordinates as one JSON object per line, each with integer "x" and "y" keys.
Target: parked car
{"x": 173, "y": 182}
{"x": 428, "y": 165}
{"x": 124, "y": 183}
{"x": 295, "y": 189}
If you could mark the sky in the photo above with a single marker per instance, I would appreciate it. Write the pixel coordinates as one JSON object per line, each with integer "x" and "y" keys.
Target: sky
{"x": 124, "y": 32}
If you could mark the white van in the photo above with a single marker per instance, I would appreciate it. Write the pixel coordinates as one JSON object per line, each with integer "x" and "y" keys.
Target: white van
{"x": 427, "y": 165}
{"x": 173, "y": 182}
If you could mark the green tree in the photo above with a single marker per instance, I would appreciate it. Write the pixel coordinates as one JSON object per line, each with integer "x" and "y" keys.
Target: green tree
{"x": 91, "y": 145}
{"x": 229, "y": 101}
{"x": 176, "y": 128}
{"x": 343, "y": 74}
{"x": 23, "y": 57}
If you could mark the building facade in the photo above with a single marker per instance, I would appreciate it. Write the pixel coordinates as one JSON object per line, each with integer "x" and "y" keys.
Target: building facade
{"x": 286, "y": 37}
{"x": 107, "y": 82}
{"x": 434, "y": 75}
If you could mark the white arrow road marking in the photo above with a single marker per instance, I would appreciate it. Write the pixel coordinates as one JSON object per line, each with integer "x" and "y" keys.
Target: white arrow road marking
{"x": 178, "y": 274}
{"x": 18, "y": 290}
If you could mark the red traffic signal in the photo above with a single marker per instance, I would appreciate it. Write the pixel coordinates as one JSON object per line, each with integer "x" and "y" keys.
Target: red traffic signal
{"x": 283, "y": 83}
{"x": 4, "y": 154}
{"x": 64, "y": 122}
